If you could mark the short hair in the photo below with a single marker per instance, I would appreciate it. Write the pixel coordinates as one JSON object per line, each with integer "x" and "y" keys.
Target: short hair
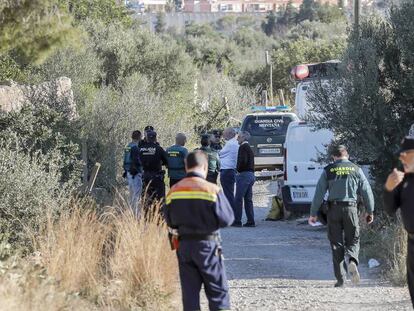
{"x": 180, "y": 137}
{"x": 196, "y": 159}
{"x": 337, "y": 150}
{"x": 136, "y": 135}
{"x": 245, "y": 135}
{"x": 230, "y": 131}
{"x": 205, "y": 140}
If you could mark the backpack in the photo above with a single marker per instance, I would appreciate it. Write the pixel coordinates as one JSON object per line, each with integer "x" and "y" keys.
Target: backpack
{"x": 276, "y": 211}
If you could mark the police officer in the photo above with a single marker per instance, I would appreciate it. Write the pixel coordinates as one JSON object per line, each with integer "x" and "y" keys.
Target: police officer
{"x": 153, "y": 157}
{"x": 213, "y": 158}
{"x": 345, "y": 181}
{"x": 399, "y": 194}
{"x": 176, "y": 157}
{"x": 148, "y": 128}
{"x": 133, "y": 169}
{"x": 197, "y": 209}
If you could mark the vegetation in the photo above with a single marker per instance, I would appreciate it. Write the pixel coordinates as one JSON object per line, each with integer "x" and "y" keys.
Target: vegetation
{"x": 123, "y": 78}
{"x": 369, "y": 107}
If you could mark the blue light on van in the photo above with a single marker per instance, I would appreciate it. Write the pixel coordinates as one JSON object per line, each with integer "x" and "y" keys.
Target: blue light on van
{"x": 270, "y": 108}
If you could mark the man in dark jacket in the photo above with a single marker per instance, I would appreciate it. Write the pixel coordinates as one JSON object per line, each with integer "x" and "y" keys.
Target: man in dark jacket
{"x": 244, "y": 182}
{"x": 399, "y": 194}
{"x": 213, "y": 158}
{"x": 153, "y": 157}
{"x": 196, "y": 210}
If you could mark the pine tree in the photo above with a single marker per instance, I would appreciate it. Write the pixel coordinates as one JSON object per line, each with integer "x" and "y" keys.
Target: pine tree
{"x": 160, "y": 24}
{"x": 269, "y": 26}
{"x": 308, "y": 11}
{"x": 33, "y": 28}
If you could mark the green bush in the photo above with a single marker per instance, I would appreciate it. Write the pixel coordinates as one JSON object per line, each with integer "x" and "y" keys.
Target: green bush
{"x": 32, "y": 188}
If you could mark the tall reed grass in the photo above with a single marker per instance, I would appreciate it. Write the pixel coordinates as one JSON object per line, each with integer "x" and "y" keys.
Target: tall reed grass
{"x": 86, "y": 261}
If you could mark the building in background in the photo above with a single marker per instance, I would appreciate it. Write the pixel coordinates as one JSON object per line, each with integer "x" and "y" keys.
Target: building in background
{"x": 148, "y": 6}
{"x": 240, "y": 6}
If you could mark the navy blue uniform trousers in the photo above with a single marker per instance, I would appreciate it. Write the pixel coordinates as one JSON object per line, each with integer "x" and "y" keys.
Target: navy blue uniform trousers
{"x": 199, "y": 264}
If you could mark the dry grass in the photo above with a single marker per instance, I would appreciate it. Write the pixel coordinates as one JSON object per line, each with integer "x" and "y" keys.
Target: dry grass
{"x": 387, "y": 242}
{"x": 112, "y": 262}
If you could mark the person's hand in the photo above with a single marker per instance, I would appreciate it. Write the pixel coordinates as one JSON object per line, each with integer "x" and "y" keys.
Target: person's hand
{"x": 312, "y": 220}
{"x": 394, "y": 179}
{"x": 369, "y": 218}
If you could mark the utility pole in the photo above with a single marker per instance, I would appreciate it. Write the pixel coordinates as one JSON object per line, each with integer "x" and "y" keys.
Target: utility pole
{"x": 357, "y": 11}
{"x": 269, "y": 63}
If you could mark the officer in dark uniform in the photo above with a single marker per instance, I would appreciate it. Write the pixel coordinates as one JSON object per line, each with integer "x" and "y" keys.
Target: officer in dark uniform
{"x": 197, "y": 209}
{"x": 147, "y": 129}
{"x": 153, "y": 157}
{"x": 345, "y": 181}
{"x": 399, "y": 194}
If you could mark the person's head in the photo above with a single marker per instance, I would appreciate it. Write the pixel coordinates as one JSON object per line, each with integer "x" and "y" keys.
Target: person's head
{"x": 180, "y": 139}
{"x": 151, "y": 136}
{"x": 243, "y": 136}
{"x": 216, "y": 136}
{"x": 148, "y": 128}
{"x": 338, "y": 152}
{"x": 229, "y": 133}
{"x": 136, "y": 136}
{"x": 197, "y": 162}
{"x": 406, "y": 154}
{"x": 205, "y": 140}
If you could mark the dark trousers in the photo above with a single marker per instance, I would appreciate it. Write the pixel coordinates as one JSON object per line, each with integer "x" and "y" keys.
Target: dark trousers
{"x": 228, "y": 180}
{"x": 200, "y": 263}
{"x": 244, "y": 193}
{"x": 343, "y": 233}
{"x": 410, "y": 266}
{"x": 173, "y": 181}
{"x": 153, "y": 189}
{"x": 212, "y": 177}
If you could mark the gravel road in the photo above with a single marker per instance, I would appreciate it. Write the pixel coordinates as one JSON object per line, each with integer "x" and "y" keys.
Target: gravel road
{"x": 285, "y": 265}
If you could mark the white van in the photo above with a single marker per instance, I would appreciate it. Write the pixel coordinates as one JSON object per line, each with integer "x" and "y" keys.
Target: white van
{"x": 302, "y": 171}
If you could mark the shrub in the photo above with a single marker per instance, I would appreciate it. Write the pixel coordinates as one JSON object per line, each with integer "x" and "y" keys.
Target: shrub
{"x": 29, "y": 183}
{"x": 387, "y": 242}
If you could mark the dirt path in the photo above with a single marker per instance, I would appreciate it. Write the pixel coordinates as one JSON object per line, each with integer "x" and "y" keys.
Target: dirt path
{"x": 286, "y": 266}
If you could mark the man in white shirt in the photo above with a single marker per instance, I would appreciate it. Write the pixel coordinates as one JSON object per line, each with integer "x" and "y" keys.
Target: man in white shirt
{"x": 228, "y": 159}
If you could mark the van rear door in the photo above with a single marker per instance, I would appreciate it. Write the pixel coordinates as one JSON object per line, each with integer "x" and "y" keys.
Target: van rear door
{"x": 303, "y": 147}
{"x": 268, "y": 133}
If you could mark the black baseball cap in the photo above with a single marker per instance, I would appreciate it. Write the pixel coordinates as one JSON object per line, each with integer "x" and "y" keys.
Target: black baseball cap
{"x": 407, "y": 143}
{"x": 149, "y": 128}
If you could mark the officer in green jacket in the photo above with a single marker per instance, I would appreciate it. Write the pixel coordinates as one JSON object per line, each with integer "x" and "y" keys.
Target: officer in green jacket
{"x": 176, "y": 159}
{"x": 345, "y": 182}
{"x": 213, "y": 158}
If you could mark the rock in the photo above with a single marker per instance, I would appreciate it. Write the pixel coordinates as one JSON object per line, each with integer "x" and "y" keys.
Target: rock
{"x": 372, "y": 263}
{"x": 57, "y": 94}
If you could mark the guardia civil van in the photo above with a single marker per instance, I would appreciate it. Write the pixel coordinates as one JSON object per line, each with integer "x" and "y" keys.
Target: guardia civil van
{"x": 267, "y": 127}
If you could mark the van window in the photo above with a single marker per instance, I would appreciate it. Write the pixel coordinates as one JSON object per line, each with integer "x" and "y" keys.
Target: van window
{"x": 266, "y": 125}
